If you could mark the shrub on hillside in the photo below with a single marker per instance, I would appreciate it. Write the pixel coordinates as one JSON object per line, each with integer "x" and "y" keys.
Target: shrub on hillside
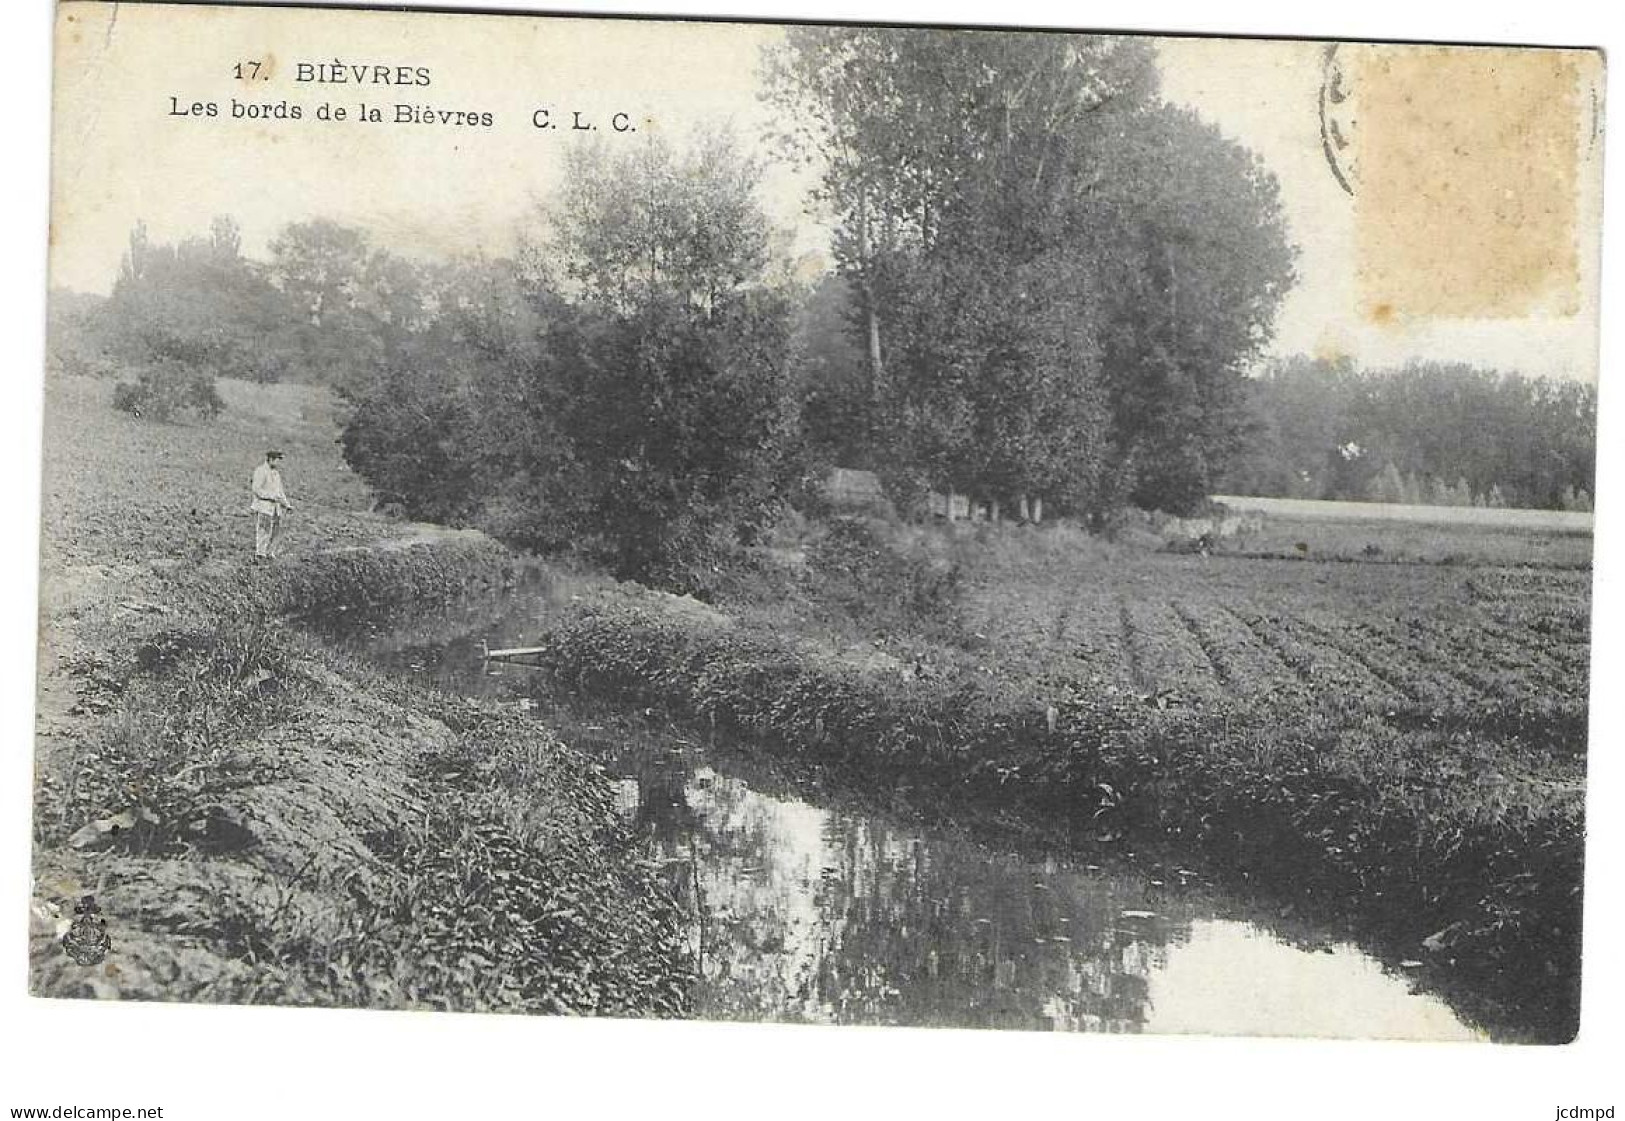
{"x": 166, "y": 389}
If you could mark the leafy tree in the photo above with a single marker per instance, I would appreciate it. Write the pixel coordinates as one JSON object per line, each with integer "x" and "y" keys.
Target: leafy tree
{"x": 195, "y": 309}
{"x": 946, "y": 165}
{"x": 630, "y": 400}
{"x": 448, "y": 421}
{"x": 1576, "y": 499}
{"x": 1189, "y": 230}
{"x": 995, "y": 386}
{"x": 76, "y": 335}
{"x": 830, "y": 375}
{"x": 323, "y": 269}
{"x": 650, "y": 225}
{"x": 318, "y": 265}
{"x": 676, "y": 425}
{"x": 1028, "y": 234}
{"x": 672, "y": 375}
{"x": 1387, "y": 485}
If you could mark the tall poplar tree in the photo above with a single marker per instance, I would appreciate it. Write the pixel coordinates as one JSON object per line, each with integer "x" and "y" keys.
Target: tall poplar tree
{"x": 1041, "y": 250}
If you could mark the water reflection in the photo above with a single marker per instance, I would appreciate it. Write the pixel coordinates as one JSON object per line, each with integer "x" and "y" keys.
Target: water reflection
{"x": 1229, "y": 977}
{"x": 814, "y": 909}
{"x": 811, "y": 913}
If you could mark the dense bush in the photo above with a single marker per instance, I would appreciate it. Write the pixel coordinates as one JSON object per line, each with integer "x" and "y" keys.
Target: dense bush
{"x": 855, "y": 568}
{"x": 636, "y": 410}
{"x": 76, "y": 335}
{"x": 407, "y": 436}
{"x": 166, "y": 389}
{"x": 676, "y": 426}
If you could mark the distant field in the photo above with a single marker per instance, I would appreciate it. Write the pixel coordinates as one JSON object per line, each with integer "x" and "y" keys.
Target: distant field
{"x": 1300, "y": 529}
{"x": 1564, "y": 521}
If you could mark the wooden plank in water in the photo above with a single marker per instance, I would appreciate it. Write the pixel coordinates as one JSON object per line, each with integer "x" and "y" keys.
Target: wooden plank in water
{"x": 512, "y": 654}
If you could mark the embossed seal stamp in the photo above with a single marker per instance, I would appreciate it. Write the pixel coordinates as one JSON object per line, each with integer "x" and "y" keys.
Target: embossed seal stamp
{"x": 87, "y": 940}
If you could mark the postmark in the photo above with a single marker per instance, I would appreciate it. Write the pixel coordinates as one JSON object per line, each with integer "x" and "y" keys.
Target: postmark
{"x": 1337, "y": 120}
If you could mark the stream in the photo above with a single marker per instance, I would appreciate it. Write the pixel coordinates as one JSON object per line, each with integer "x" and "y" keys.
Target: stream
{"x": 816, "y": 904}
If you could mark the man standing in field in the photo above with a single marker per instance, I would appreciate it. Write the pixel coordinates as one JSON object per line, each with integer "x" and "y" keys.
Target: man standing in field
{"x": 270, "y": 506}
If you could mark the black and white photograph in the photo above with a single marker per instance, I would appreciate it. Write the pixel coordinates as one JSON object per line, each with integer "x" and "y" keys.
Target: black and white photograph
{"x": 878, "y": 525}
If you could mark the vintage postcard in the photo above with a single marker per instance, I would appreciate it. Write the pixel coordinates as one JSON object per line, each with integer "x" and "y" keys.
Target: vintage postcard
{"x": 821, "y": 523}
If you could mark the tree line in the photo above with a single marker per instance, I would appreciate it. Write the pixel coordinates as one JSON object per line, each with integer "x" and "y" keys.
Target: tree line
{"x": 1047, "y": 284}
{"x": 322, "y": 309}
{"x": 1434, "y": 433}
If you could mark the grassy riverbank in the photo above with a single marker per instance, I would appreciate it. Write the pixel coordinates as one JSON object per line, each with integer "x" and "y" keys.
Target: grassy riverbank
{"x": 262, "y": 819}
{"x": 1399, "y": 743}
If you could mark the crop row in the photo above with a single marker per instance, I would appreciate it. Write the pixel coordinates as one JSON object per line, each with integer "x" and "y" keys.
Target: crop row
{"x": 1506, "y": 646}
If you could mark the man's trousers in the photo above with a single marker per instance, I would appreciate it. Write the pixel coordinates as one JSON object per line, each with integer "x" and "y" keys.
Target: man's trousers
{"x": 267, "y": 534}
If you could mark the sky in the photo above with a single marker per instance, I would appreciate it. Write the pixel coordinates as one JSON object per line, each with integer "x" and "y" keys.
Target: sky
{"x": 127, "y": 148}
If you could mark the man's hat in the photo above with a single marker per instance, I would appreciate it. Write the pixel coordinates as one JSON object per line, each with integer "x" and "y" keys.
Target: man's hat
{"x": 274, "y": 453}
